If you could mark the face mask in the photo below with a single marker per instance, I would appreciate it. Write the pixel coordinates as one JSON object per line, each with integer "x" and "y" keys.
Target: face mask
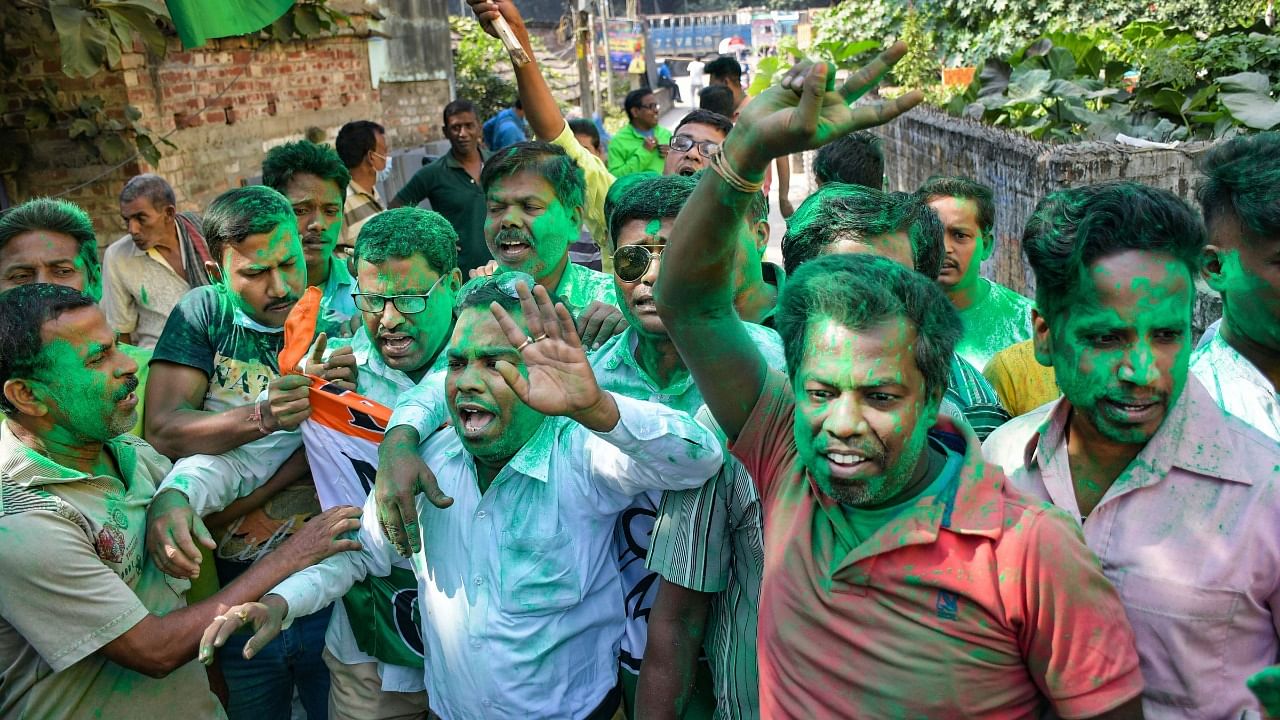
{"x": 385, "y": 172}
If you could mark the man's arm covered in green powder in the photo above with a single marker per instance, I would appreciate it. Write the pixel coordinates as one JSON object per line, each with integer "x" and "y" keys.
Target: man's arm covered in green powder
{"x": 694, "y": 293}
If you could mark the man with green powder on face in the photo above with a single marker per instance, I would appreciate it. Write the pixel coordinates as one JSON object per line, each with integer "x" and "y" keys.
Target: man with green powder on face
{"x": 89, "y": 627}
{"x": 217, "y": 354}
{"x": 315, "y": 181}
{"x": 1179, "y": 500}
{"x": 1240, "y": 198}
{"x": 840, "y": 219}
{"x": 406, "y": 263}
{"x": 640, "y": 363}
{"x": 52, "y": 241}
{"x": 901, "y": 577}
{"x": 994, "y": 316}
{"x": 520, "y": 603}
{"x": 534, "y": 196}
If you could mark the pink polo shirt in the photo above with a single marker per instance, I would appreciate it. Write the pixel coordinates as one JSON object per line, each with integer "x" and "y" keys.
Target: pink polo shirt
{"x": 1190, "y": 535}
{"x": 976, "y": 602}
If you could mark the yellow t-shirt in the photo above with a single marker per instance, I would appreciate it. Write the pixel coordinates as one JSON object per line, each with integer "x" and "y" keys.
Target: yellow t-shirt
{"x": 1020, "y": 381}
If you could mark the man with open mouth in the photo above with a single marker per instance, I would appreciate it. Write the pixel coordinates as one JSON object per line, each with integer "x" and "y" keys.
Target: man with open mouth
{"x": 902, "y": 578}
{"x": 406, "y": 263}
{"x": 1179, "y": 500}
{"x": 517, "y": 571}
{"x": 315, "y": 180}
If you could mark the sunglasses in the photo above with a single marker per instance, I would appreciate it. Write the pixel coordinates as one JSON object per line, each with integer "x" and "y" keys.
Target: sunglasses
{"x": 683, "y": 143}
{"x": 505, "y": 281}
{"x": 404, "y": 304}
{"x": 631, "y": 262}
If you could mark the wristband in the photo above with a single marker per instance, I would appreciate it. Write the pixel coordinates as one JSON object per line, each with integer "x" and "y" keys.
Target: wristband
{"x": 257, "y": 417}
{"x": 720, "y": 164}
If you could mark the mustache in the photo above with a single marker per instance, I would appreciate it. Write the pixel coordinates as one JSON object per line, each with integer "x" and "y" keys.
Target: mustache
{"x": 312, "y": 238}
{"x": 130, "y": 384}
{"x": 513, "y": 234}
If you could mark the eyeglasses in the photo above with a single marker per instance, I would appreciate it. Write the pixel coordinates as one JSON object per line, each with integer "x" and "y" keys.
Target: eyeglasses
{"x": 650, "y": 106}
{"x": 404, "y": 304}
{"x": 683, "y": 143}
{"x": 631, "y": 262}
{"x": 504, "y": 281}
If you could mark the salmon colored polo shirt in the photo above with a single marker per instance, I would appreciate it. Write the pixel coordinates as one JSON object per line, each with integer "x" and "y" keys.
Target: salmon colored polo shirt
{"x": 976, "y": 602}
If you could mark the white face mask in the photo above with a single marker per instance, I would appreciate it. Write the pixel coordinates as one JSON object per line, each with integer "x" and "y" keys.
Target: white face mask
{"x": 385, "y": 172}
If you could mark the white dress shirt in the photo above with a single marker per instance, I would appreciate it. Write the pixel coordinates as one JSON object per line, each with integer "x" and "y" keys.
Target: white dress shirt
{"x": 212, "y": 482}
{"x": 520, "y": 596}
{"x": 1237, "y": 385}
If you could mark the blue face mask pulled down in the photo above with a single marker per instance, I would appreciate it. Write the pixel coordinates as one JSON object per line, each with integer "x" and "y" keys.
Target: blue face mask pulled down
{"x": 385, "y": 172}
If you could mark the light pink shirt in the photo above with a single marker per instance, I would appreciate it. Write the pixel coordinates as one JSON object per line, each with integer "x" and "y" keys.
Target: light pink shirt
{"x": 1189, "y": 534}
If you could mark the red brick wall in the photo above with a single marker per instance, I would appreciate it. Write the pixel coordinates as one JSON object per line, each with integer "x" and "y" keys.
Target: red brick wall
{"x": 276, "y": 91}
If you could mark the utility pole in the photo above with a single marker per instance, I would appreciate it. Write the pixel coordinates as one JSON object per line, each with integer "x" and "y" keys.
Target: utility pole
{"x": 582, "y": 35}
{"x": 608, "y": 53}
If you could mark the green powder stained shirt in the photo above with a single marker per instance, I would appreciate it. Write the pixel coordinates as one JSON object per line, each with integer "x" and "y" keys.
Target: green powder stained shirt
{"x": 628, "y": 155}
{"x": 580, "y": 286}
{"x": 76, "y": 576}
{"x": 1000, "y": 319}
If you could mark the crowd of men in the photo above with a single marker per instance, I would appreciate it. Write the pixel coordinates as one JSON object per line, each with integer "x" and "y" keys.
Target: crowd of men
{"x": 567, "y": 446}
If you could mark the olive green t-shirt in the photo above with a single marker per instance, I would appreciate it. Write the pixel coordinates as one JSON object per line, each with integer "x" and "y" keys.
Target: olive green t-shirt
{"x": 76, "y": 576}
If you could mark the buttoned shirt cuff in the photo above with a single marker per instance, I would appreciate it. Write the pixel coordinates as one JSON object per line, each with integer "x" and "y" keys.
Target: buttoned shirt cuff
{"x": 304, "y": 596}
{"x": 180, "y": 479}
{"x": 639, "y": 425}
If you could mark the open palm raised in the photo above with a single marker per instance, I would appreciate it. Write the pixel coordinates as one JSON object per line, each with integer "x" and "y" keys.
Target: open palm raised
{"x": 801, "y": 113}
{"x": 560, "y": 380}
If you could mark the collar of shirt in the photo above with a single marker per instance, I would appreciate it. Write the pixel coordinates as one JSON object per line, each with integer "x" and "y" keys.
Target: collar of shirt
{"x": 354, "y": 188}
{"x": 533, "y": 459}
{"x": 452, "y": 161}
{"x": 971, "y": 505}
{"x": 1229, "y": 365}
{"x": 617, "y": 357}
{"x": 1192, "y": 437}
{"x": 27, "y": 468}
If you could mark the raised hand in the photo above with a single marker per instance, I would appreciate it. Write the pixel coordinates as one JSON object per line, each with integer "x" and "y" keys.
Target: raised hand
{"x": 560, "y": 380}
{"x": 802, "y": 113}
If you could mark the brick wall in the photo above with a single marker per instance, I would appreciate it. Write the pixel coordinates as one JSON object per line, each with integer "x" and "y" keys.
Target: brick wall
{"x": 223, "y": 106}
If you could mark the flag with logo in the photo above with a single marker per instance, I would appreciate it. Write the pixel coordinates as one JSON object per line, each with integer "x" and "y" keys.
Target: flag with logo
{"x": 341, "y": 438}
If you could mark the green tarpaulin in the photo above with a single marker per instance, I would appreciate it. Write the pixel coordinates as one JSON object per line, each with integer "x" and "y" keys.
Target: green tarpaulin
{"x": 199, "y": 21}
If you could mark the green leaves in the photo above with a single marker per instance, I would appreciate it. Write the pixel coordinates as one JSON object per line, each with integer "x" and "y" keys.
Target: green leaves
{"x": 1247, "y": 97}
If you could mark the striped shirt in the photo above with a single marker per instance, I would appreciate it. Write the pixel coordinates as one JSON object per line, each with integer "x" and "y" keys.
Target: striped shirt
{"x": 711, "y": 540}
{"x": 361, "y": 205}
{"x": 971, "y": 396}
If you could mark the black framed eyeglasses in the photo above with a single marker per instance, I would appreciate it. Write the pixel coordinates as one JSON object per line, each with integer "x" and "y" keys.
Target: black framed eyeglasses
{"x": 631, "y": 262}
{"x": 683, "y": 143}
{"x": 404, "y": 304}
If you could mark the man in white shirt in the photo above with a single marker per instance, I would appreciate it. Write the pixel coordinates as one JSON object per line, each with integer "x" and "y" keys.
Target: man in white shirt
{"x": 407, "y": 264}
{"x": 697, "y": 69}
{"x": 516, "y": 573}
{"x": 1240, "y": 364}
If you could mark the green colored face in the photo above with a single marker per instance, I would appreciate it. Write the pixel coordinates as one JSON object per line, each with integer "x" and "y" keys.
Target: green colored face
{"x": 1120, "y": 348}
{"x": 265, "y": 274}
{"x": 527, "y": 228}
{"x": 409, "y": 343}
{"x": 317, "y": 203}
{"x": 1248, "y": 278}
{"x": 491, "y": 421}
{"x": 862, "y": 413}
{"x": 85, "y": 381}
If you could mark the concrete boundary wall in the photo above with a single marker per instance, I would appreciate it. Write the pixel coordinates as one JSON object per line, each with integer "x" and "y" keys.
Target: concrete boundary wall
{"x": 927, "y": 142}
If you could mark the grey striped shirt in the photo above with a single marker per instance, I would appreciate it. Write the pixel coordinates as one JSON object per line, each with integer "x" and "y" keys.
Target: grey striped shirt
{"x": 711, "y": 540}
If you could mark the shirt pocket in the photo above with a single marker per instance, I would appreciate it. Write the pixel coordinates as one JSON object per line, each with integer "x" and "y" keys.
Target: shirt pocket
{"x": 1182, "y": 633}
{"x": 539, "y": 574}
